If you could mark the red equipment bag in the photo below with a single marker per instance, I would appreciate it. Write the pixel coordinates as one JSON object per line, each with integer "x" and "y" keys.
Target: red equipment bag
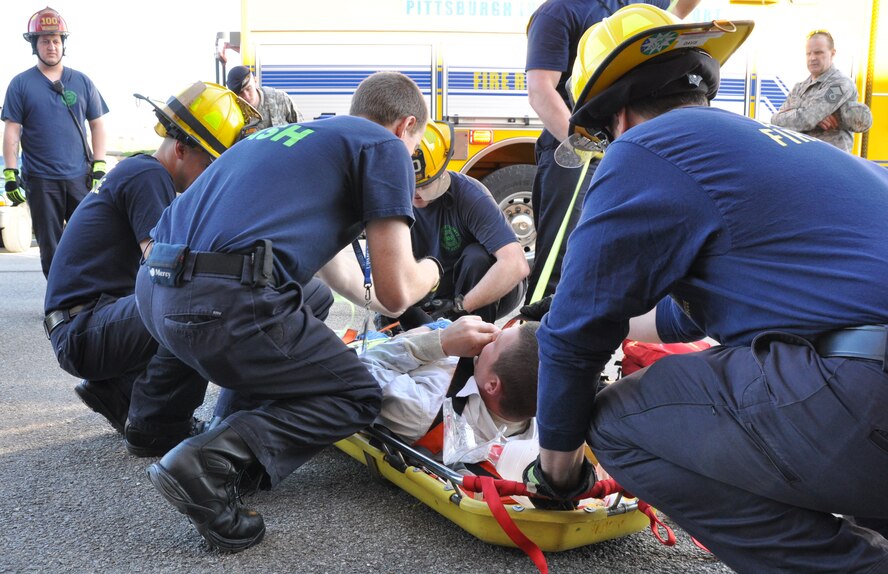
{"x": 638, "y": 355}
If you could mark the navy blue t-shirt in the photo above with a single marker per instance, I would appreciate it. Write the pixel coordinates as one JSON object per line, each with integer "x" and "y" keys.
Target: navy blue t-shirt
{"x": 556, "y": 27}
{"x": 51, "y": 144}
{"x": 465, "y": 214}
{"x": 750, "y": 227}
{"x": 309, "y": 188}
{"x": 99, "y": 250}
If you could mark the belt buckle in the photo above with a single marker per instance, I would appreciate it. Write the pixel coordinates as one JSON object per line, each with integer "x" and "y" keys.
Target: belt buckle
{"x": 53, "y": 320}
{"x": 46, "y": 321}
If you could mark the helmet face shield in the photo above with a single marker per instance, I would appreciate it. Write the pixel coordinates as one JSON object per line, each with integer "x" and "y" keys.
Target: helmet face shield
{"x": 434, "y": 152}
{"x": 433, "y": 189}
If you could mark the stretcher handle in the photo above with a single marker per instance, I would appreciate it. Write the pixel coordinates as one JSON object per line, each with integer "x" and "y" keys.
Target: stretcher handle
{"x": 384, "y": 435}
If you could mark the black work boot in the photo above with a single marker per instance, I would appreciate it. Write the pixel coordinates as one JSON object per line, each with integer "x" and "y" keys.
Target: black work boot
{"x": 200, "y": 476}
{"x": 144, "y": 444}
{"x": 105, "y": 399}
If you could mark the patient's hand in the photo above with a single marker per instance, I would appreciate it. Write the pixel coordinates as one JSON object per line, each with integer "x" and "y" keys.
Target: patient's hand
{"x": 467, "y": 336}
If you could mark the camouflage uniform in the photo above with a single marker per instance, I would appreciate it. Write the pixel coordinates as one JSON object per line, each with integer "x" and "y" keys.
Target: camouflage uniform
{"x": 813, "y": 100}
{"x": 277, "y": 108}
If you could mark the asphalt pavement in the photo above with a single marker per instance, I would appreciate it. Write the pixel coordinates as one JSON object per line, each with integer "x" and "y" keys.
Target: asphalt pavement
{"x": 73, "y": 500}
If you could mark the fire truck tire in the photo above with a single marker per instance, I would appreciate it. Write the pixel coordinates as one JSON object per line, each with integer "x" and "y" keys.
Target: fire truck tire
{"x": 16, "y": 231}
{"x": 510, "y": 187}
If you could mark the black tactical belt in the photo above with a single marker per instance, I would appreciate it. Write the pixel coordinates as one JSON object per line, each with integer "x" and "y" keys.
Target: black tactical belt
{"x": 56, "y": 318}
{"x": 231, "y": 264}
{"x": 864, "y": 342}
{"x": 255, "y": 268}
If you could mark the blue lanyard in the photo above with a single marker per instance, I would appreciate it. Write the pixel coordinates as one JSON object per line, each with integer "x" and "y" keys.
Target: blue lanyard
{"x": 364, "y": 262}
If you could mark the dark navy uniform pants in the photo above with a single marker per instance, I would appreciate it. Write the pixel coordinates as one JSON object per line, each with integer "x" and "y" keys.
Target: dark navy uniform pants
{"x": 754, "y": 451}
{"x": 52, "y": 203}
{"x": 264, "y": 343}
{"x": 108, "y": 344}
{"x": 553, "y": 189}
{"x": 316, "y": 296}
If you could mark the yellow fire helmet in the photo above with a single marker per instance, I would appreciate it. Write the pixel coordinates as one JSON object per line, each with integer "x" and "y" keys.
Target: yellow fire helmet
{"x": 435, "y": 150}
{"x": 208, "y": 114}
{"x": 639, "y": 51}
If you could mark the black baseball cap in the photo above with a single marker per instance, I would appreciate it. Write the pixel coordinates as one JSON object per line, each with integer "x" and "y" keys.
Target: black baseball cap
{"x": 238, "y": 77}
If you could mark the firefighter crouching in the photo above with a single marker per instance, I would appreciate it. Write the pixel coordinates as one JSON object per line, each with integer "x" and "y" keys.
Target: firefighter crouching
{"x": 770, "y": 242}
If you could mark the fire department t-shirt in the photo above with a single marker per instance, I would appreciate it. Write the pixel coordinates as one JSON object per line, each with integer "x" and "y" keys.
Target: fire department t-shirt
{"x": 309, "y": 188}
{"x": 465, "y": 214}
{"x": 99, "y": 250}
{"x": 51, "y": 143}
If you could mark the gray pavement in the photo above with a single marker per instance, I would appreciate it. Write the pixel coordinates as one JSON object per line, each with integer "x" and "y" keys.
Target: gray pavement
{"x": 73, "y": 500}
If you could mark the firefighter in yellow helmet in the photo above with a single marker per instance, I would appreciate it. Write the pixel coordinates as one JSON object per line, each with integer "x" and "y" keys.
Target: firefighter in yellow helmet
{"x": 45, "y": 113}
{"x": 458, "y": 223}
{"x": 702, "y": 222}
{"x": 91, "y": 315}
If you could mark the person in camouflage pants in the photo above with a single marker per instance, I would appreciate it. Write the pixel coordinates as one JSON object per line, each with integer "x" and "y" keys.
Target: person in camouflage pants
{"x": 825, "y": 105}
{"x": 276, "y": 107}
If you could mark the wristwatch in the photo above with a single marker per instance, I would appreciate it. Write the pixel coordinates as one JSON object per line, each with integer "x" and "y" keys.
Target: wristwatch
{"x": 458, "y": 308}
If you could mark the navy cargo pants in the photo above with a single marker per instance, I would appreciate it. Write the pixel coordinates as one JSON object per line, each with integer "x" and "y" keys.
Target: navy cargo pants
{"x": 264, "y": 343}
{"x": 315, "y": 295}
{"x": 108, "y": 344}
{"x": 754, "y": 451}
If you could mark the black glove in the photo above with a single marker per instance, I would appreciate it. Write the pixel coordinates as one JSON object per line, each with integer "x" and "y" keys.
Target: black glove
{"x": 451, "y": 309}
{"x": 97, "y": 171}
{"x": 535, "y": 311}
{"x": 15, "y": 189}
{"x": 557, "y": 499}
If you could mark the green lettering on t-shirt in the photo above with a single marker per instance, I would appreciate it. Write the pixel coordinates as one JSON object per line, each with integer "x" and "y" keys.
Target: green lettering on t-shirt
{"x": 289, "y": 134}
{"x": 293, "y": 133}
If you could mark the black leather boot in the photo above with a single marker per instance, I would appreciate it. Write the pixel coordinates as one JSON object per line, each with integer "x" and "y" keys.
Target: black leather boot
{"x": 199, "y": 477}
{"x": 105, "y": 399}
{"x": 144, "y": 444}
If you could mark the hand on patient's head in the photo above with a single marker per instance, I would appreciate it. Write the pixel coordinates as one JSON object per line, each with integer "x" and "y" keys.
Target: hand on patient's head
{"x": 467, "y": 336}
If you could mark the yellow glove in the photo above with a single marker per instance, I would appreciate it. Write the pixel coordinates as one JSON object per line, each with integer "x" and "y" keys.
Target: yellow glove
{"x": 15, "y": 190}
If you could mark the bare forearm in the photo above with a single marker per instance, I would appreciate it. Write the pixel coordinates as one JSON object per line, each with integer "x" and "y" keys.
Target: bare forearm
{"x": 99, "y": 138}
{"x": 11, "y": 135}
{"x": 502, "y": 277}
{"x": 399, "y": 279}
{"x": 547, "y": 102}
{"x": 344, "y": 275}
